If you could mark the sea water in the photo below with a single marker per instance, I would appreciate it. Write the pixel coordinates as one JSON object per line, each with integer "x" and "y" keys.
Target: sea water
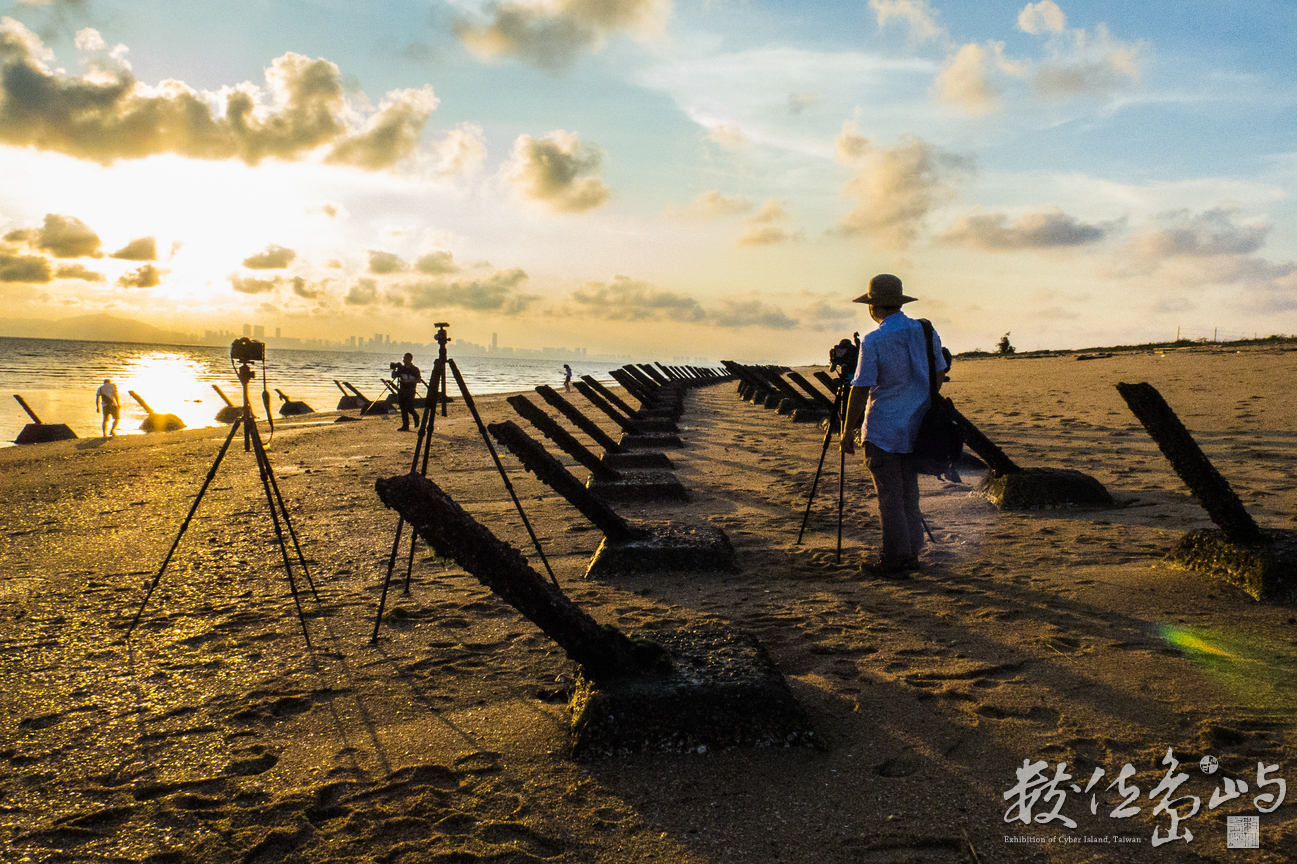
{"x": 58, "y": 379}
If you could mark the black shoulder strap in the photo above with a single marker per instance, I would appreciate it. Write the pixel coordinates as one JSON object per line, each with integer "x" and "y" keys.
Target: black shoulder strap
{"x": 932, "y": 366}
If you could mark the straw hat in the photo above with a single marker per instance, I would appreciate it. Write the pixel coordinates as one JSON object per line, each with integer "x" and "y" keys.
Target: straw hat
{"x": 884, "y": 290}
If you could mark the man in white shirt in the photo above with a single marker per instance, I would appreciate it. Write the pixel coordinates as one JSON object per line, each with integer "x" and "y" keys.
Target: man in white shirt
{"x": 890, "y": 391}
{"x": 106, "y": 400}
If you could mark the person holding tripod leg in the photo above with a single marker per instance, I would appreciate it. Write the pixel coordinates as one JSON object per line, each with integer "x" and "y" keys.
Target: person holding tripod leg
{"x": 890, "y": 391}
{"x": 408, "y": 376}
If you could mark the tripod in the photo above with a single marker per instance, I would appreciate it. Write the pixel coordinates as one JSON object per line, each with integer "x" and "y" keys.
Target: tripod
{"x": 251, "y": 442}
{"x": 423, "y": 450}
{"x": 835, "y": 422}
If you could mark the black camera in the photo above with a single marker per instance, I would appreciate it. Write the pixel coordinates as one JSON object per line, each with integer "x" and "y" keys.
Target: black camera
{"x": 843, "y": 357}
{"x": 394, "y": 367}
{"x": 248, "y": 350}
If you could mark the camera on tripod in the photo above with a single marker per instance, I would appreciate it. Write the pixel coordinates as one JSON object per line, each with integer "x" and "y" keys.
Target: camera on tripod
{"x": 247, "y": 350}
{"x": 843, "y": 357}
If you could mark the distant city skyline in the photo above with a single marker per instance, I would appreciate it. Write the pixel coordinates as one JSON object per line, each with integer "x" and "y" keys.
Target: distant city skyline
{"x": 649, "y": 177}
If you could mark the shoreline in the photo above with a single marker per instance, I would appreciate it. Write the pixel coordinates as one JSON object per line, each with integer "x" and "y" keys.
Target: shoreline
{"x": 1055, "y": 635}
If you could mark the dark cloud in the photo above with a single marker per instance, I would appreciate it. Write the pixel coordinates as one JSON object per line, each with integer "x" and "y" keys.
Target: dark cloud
{"x": 142, "y": 249}
{"x": 383, "y": 263}
{"x": 363, "y": 293}
{"x": 61, "y": 236}
{"x": 500, "y": 291}
{"x": 436, "y": 264}
{"x": 994, "y": 231}
{"x": 142, "y": 277}
{"x": 107, "y": 115}
{"x": 559, "y": 171}
{"x": 751, "y": 313}
{"x": 78, "y": 271}
{"x": 1213, "y": 232}
{"x": 24, "y": 268}
{"x": 251, "y": 285}
{"x": 274, "y": 258}
{"x": 305, "y": 289}
{"x": 627, "y": 299}
{"x": 551, "y": 36}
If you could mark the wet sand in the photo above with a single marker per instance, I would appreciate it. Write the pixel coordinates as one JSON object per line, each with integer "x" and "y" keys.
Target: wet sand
{"x": 1058, "y": 636}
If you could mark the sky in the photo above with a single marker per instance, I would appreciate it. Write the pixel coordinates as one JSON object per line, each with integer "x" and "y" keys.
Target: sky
{"x": 648, "y": 177}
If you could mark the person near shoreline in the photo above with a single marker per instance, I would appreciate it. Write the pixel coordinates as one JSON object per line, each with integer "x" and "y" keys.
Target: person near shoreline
{"x": 408, "y": 376}
{"x": 107, "y": 400}
{"x": 890, "y": 392}
{"x": 567, "y": 378}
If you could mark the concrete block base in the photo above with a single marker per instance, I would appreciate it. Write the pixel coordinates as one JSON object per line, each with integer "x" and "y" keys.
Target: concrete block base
{"x": 724, "y": 691}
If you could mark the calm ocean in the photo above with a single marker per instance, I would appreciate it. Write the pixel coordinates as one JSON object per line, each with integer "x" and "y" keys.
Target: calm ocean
{"x": 58, "y": 379}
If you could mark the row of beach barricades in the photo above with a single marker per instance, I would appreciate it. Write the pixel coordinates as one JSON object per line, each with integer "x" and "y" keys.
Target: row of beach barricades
{"x": 38, "y": 431}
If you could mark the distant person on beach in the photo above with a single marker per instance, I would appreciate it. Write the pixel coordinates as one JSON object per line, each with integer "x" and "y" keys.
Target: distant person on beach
{"x": 107, "y": 400}
{"x": 567, "y": 378}
{"x": 890, "y": 391}
{"x": 408, "y": 376}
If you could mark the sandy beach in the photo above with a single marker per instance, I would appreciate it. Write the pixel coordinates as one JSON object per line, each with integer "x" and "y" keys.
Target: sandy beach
{"x": 1057, "y": 636}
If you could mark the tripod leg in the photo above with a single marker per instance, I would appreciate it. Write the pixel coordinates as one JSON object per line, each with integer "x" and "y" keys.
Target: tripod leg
{"x": 828, "y": 436}
{"x": 211, "y": 473}
{"x": 409, "y": 562}
{"x": 439, "y": 379}
{"x": 387, "y": 580}
{"x": 842, "y": 485}
{"x": 429, "y": 419}
{"x": 301, "y": 559}
{"x": 481, "y": 428}
{"x": 263, "y": 464}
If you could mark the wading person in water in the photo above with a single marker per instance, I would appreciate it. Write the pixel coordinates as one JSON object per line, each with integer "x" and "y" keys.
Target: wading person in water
{"x": 106, "y": 400}
{"x": 567, "y": 377}
{"x": 890, "y": 391}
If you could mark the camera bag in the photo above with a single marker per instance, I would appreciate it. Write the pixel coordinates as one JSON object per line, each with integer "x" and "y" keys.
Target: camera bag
{"x": 940, "y": 441}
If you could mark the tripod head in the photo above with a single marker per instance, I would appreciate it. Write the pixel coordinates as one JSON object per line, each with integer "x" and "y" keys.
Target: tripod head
{"x": 442, "y": 338}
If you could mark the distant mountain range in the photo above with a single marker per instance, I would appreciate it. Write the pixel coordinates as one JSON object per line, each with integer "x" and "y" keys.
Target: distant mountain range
{"x": 94, "y": 328}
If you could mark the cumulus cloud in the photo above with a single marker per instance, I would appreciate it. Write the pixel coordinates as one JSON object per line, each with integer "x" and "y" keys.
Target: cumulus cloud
{"x": 460, "y": 152}
{"x": 627, "y": 299}
{"x": 751, "y": 313}
{"x": 106, "y": 114}
{"x": 1042, "y": 17}
{"x": 551, "y": 34}
{"x": 500, "y": 291}
{"x": 252, "y": 285}
{"x": 61, "y": 236}
{"x": 916, "y": 15}
{"x": 826, "y": 315}
{"x": 766, "y": 227}
{"x": 390, "y": 135}
{"x": 1049, "y": 230}
{"x": 713, "y": 205}
{"x": 383, "y": 263}
{"x": 142, "y": 277}
{"x": 363, "y": 293}
{"x": 273, "y": 258}
{"x": 24, "y": 268}
{"x": 140, "y": 249}
{"x": 436, "y": 264}
{"x": 78, "y": 271}
{"x": 559, "y": 171}
{"x": 968, "y": 79}
{"x": 895, "y": 189}
{"x": 1087, "y": 64}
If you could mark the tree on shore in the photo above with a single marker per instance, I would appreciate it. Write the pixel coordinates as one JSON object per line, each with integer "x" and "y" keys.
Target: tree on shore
{"x": 1004, "y": 347}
